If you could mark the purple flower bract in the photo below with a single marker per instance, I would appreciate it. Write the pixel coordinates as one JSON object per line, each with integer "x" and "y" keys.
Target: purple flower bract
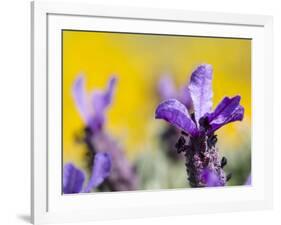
{"x": 202, "y": 119}
{"x": 73, "y": 178}
{"x": 92, "y": 107}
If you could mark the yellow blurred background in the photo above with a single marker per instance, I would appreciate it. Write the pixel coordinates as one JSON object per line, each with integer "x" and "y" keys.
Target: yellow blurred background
{"x": 138, "y": 61}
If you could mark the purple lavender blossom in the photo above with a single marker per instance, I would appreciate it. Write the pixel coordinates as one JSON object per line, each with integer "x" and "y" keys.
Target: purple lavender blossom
{"x": 200, "y": 90}
{"x": 73, "y": 178}
{"x": 101, "y": 170}
{"x": 199, "y": 124}
{"x": 92, "y": 108}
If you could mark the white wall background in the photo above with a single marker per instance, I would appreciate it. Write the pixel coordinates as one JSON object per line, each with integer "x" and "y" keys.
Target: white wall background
{"x": 15, "y": 109}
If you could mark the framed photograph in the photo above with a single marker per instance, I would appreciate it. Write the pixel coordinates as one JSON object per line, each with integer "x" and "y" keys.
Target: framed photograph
{"x": 149, "y": 112}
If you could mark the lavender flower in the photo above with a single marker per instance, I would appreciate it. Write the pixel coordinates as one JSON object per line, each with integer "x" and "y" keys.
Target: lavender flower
{"x": 198, "y": 124}
{"x": 92, "y": 108}
{"x": 73, "y": 178}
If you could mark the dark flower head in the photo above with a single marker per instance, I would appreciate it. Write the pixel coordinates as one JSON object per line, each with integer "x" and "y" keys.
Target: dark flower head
{"x": 92, "y": 107}
{"x": 73, "y": 178}
{"x": 202, "y": 119}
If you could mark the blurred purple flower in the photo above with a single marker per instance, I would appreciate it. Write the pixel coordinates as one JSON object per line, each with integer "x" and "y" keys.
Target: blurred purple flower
{"x": 249, "y": 180}
{"x": 166, "y": 87}
{"x": 123, "y": 176}
{"x": 200, "y": 90}
{"x": 198, "y": 125}
{"x": 92, "y": 107}
{"x": 101, "y": 170}
{"x": 167, "y": 90}
{"x": 73, "y": 178}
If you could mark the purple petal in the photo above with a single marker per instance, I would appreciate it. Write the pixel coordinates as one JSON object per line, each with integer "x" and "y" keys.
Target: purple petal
{"x": 176, "y": 114}
{"x": 210, "y": 178}
{"x": 200, "y": 88}
{"x": 73, "y": 179}
{"x": 81, "y": 99}
{"x": 227, "y": 111}
{"x": 249, "y": 180}
{"x": 166, "y": 87}
{"x": 101, "y": 100}
{"x": 185, "y": 98}
{"x": 101, "y": 170}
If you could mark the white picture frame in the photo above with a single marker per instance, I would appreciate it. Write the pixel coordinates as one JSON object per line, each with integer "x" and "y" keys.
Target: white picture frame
{"x": 48, "y": 205}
